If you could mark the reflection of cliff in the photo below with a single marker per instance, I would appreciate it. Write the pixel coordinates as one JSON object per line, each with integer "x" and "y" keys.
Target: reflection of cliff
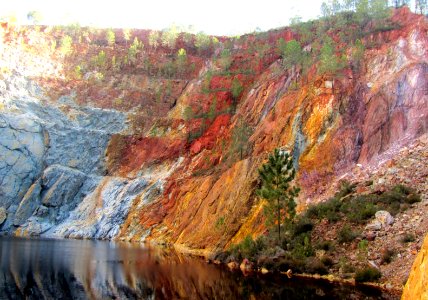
{"x": 58, "y": 269}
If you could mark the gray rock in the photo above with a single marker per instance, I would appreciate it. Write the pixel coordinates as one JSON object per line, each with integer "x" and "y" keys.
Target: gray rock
{"x": 28, "y": 205}
{"x": 374, "y": 226}
{"x": 60, "y": 185}
{"x": 101, "y": 214}
{"x": 384, "y": 218}
{"x": 3, "y": 215}
{"x": 21, "y": 156}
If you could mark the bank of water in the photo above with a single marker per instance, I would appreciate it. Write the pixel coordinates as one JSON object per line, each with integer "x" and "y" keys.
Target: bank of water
{"x": 84, "y": 269}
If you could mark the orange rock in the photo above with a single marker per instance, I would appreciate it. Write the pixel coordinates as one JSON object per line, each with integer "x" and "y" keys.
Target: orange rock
{"x": 417, "y": 283}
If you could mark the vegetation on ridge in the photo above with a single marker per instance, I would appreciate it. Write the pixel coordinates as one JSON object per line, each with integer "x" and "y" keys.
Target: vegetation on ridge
{"x": 304, "y": 247}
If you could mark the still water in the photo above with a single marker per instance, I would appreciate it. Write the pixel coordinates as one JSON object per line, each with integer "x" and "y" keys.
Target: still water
{"x": 74, "y": 269}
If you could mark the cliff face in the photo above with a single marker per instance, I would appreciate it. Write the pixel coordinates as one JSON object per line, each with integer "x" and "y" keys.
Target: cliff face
{"x": 141, "y": 152}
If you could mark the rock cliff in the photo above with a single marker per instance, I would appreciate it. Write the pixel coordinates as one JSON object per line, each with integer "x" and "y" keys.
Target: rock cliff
{"x": 142, "y": 147}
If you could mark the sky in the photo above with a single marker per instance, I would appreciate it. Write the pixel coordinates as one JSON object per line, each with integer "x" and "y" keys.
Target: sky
{"x": 218, "y": 17}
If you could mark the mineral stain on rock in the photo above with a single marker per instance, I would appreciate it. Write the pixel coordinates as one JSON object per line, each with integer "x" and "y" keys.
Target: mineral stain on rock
{"x": 143, "y": 154}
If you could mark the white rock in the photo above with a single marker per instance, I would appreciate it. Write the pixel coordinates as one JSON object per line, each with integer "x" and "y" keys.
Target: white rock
{"x": 374, "y": 226}
{"x": 384, "y": 218}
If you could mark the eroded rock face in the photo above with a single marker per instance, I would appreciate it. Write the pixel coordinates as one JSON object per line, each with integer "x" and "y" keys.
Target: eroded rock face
{"x": 180, "y": 184}
{"x": 21, "y": 157}
{"x": 50, "y": 157}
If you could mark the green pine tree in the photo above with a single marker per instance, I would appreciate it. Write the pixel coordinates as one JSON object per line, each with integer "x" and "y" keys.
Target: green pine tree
{"x": 276, "y": 176}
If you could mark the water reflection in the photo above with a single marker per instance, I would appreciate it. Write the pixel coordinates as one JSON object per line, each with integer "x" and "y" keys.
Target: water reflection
{"x": 70, "y": 269}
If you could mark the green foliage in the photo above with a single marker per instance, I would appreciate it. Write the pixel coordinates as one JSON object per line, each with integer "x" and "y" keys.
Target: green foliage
{"x": 292, "y": 54}
{"x": 134, "y": 49}
{"x": 315, "y": 266}
{"x": 328, "y": 210}
{"x": 110, "y": 37}
{"x": 206, "y": 84}
{"x": 280, "y": 46}
{"x": 225, "y": 59}
{"x": 408, "y": 238}
{"x": 330, "y": 63}
{"x": 240, "y": 136}
{"x": 325, "y": 245}
{"x": 188, "y": 113}
{"x": 126, "y": 34}
{"x": 387, "y": 256}
{"x": 202, "y": 42}
{"x": 362, "y": 249}
{"x": 219, "y": 223}
{"x": 169, "y": 37}
{"x": 357, "y": 54}
{"x": 154, "y": 39}
{"x": 359, "y": 209}
{"x": 303, "y": 225}
{"x": 248, "y": 248}
{"x": 100, "y": 59}
{"x": 301, "y": 246}
{"x": 212, "y": 110}
{"x": 66, "y": 45}
{"x": 237, "y": 88}
{"x": 78, "y": 72}
{"x": 368, "y": 274}
{"x": 181, "y": 60}
{"x": 276, "y": 176}
{"x": 346, "y": 234}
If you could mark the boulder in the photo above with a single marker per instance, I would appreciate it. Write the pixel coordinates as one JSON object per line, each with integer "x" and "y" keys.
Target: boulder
{"x": 384, "y": 218}
{"x": 28, "y": 205}
{"x": 61, "y": 185}
{"x": 374, "y": 226}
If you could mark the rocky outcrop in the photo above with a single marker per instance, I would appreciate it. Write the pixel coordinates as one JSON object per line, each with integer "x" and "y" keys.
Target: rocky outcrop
{"x": 21, "y": 154}
{"x": 417, "y": 284}
{"x": 51, "y": 156}
{"x": 176, "y": 160}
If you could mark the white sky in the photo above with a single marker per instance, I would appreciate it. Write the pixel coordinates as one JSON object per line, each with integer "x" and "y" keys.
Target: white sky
{"x": 220, "y": 17}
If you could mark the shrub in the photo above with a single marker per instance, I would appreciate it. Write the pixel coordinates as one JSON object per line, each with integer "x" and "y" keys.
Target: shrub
{"x": 408, "y": 238}
{"x": 300, "y": 246}
{"x": 387, "y": 256}
{"x": 368, "y": 274}
{"x": 303, "y": 225}
{"x": 327, "y": 261}
{"x": 346, "y": 188}
{"x": 359, "y": 209}
{"x": 346, "y": 234}
{"x": 297, "y": 265}
{"x": 325, "y": 245}
{"x": 248, "y": 248}
{"x": 329, "y": 210}
{"x": 315, "y": 266}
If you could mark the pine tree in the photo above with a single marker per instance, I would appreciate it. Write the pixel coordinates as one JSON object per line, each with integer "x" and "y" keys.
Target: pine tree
{"x": 240, "y": 136}
{"x": 110, "y": 37}
{"x": 276, "y": 176}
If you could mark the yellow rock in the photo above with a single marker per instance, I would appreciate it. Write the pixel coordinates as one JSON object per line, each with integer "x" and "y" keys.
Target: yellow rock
{"x": 417, "y": 285}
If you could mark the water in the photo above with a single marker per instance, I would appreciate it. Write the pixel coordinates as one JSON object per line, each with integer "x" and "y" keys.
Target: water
{"x": 74, "y": 269}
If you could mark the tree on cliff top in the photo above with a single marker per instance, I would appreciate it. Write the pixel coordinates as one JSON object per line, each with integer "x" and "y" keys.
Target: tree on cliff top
{"x": 276, "y": 176}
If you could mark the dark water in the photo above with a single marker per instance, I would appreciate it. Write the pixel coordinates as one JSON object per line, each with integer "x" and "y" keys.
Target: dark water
{"x": 72, "y": 269}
